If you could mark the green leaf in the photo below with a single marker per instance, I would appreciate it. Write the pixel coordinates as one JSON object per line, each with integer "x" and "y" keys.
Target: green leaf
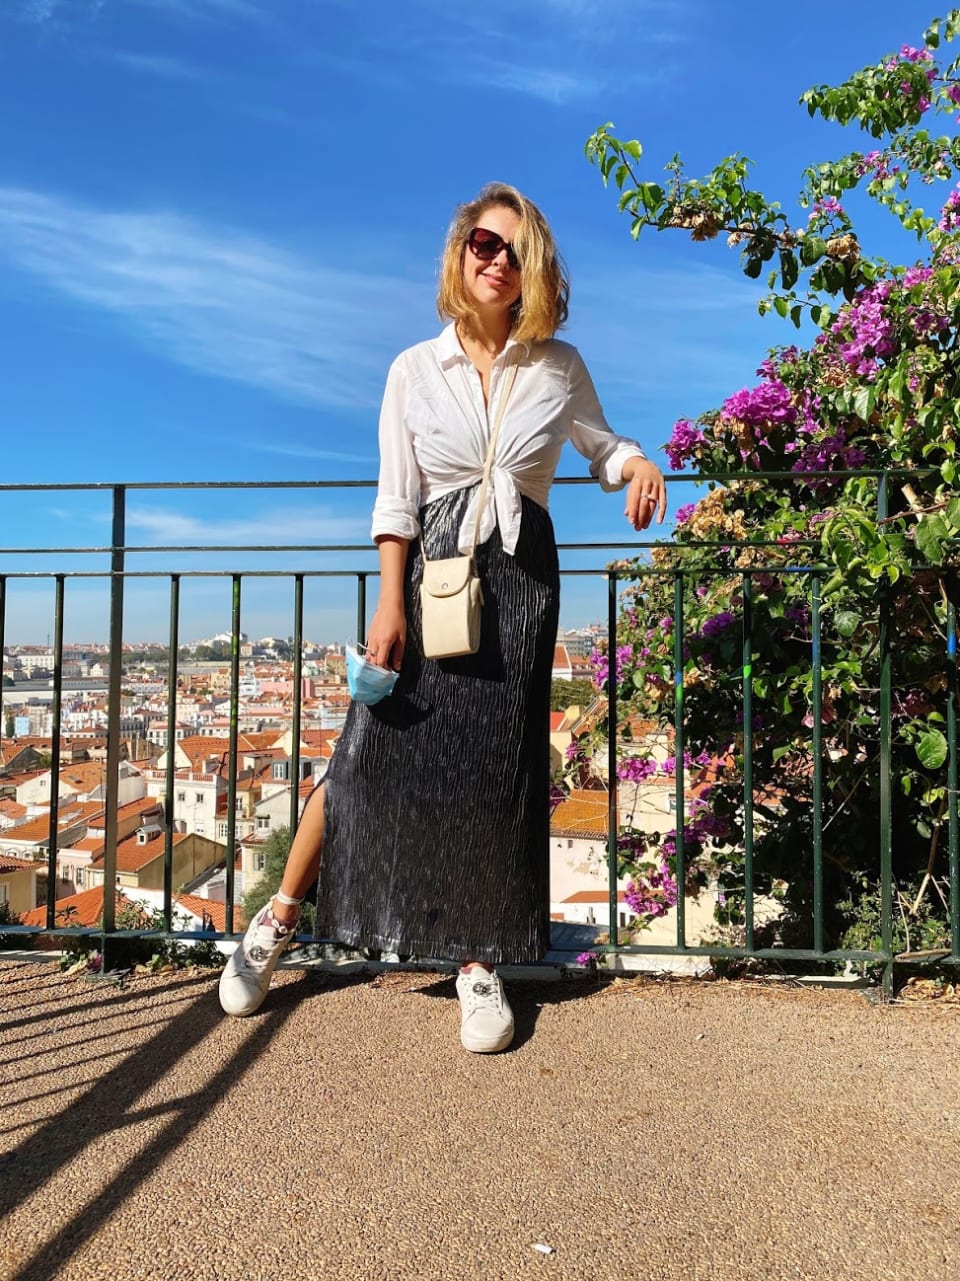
{"x": 864, "y": 400}
{"x": 780, "y": 752}
{"x": 781, "y": 306}
{"x": 812, "y": 250}
{"x": 932, "y": 749}
{"x": 789, "y": 268}
{"x": 846, "y": 622}
{"x": 929, "y": 538}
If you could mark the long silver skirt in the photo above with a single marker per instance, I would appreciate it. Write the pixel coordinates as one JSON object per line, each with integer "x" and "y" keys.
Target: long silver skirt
{"x": 436, "y": 800}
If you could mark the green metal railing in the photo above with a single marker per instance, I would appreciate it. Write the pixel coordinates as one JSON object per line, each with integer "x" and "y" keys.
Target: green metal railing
{"x": 120, "y": 574}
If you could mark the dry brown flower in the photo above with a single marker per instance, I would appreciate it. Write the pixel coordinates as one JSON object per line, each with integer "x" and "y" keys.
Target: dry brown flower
{"x": 844, "y": 248}
{"x": 704, "y": 225}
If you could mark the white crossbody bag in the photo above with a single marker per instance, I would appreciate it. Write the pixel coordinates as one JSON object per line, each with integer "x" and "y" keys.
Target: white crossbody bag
{"x": 450, "y": 594}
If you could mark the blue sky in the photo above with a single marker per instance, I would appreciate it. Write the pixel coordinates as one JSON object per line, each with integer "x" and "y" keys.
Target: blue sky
{"x": 220, "y": 219}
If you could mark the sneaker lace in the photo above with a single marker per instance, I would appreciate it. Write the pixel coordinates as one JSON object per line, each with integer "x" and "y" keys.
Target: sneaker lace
{"x": 484, "y": 994}
{"x": 269, "y": 937}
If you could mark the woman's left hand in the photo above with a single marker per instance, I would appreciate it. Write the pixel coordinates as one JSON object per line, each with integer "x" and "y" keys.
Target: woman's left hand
{"x": 647, "y": 493}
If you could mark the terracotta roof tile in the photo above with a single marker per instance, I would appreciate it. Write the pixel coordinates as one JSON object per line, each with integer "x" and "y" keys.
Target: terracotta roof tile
{"x": 71, "y": 814}
{"x": 214, "y": 910}
{"x": 582, "y": 813}
{"x": 143, "y": 806}
{"x": 133, "y": 854}
{"x": 594, "y": 896}
{"x": 8, "y": 863}
{"x": 85, "y": 908}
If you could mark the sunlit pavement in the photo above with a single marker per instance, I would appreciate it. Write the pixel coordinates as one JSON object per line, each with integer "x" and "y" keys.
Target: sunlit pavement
{"x": 646, "y": 1128}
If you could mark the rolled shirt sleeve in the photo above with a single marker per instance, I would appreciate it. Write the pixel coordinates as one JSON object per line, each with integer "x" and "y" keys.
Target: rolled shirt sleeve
{"x": 590, "y": 432}
{"x": 397, "y": 508}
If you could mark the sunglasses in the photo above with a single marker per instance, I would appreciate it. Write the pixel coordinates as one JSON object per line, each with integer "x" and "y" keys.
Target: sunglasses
{"x": 486, "y": 245}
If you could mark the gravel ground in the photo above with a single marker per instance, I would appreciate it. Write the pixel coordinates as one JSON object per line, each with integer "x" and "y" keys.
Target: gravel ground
{"x": 663, "y": 1130}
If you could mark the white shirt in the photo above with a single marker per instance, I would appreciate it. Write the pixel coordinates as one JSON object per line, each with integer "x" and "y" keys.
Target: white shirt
{"x": 435, "y": 428}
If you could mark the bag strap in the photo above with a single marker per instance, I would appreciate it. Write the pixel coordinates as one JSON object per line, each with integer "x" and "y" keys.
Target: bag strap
{"x": 488, "y": 462}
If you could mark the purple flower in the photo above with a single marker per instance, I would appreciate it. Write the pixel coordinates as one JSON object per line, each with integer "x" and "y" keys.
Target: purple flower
{"x": 767, "y": 404}
{"x": 717, "y": 624}
{"x": 601, "y": 666}
{"x": 825, "y": 208}
{"x": 684, "y": 442}
{"x": 685, "y": 512}
{"x": 653, "y": 894}
{"x": 950, "y": 214}
{"x": 636, "y": 768}
{"x": 588, "y": 958}
{"x": 918, "y": 275}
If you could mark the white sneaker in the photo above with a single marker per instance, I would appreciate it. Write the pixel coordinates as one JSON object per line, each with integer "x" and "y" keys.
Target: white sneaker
{"x": 246, "y": 975}
{"x": 486, "y": 1020}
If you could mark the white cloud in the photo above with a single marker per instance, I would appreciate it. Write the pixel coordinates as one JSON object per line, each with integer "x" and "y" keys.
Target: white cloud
{"x": 208, "y": 8}
{"x": 161, "y": 527}
{"x": 532, "y": 47}
{"x": 305, "y": 451}
{"x": 656, "y": 329}
{"x": 67, "y": 12}
{"x": 158, "y": 65}
{"x": 39, "y": 10}
{"x": 539, "y": 82}
{"x": 218, "y": 300}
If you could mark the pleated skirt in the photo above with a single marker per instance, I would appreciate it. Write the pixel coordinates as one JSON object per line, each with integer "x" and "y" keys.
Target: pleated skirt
{"x": 436, "y": 813}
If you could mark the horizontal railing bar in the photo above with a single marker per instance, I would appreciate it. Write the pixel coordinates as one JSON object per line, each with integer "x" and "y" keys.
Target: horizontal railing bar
{"x": 640, "y": 571}
{"x": 768, "y": 953}
{"x": 670, "y": 478}
{"x": 273, "y": 548}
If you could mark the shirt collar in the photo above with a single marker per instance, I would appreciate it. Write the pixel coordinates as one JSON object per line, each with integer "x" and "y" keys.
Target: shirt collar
{"x": 449, "y": 350}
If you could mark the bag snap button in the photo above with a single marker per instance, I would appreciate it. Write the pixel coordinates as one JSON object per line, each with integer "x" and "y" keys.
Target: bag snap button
{"x": 443, "y": 585}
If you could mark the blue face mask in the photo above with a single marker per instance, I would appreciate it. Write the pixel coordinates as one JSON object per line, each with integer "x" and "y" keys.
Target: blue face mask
{"x": 368, "y": 683}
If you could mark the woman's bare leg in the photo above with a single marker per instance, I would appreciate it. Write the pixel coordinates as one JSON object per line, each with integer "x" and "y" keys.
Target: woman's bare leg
{"x": 303, "y": 861}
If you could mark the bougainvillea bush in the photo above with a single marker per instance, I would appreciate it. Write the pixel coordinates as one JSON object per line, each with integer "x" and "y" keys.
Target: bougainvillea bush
{"x": 872, "y": 389}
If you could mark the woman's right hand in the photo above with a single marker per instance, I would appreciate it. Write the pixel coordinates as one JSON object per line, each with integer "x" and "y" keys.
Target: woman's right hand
{"x": 387, "y": 636}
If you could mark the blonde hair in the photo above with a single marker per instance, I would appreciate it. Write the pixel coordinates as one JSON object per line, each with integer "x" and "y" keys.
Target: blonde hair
{"x": 544, "y": 289}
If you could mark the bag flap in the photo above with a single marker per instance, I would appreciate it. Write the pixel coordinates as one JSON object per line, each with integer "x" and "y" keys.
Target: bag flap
{"x": 447, "y": 577}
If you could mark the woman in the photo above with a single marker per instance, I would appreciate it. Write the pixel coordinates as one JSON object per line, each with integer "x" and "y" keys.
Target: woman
{"x": 434, "y": 818}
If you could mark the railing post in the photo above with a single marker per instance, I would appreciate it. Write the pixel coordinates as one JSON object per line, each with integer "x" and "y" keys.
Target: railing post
{"x": 613, "y": 851}
{"x": 680, "y": 799}
{"x": 232, "y": 754}
{"x": 747, "y": 665}
{"x": 297, "y": 702}
{"x": 56, "y": 717}
{"x": 817, "y": 699}
{"x": 361, "y": 607}
{"x": 171, "y": 778}
{"x": 115, "y": 685}
{"x": 886, "y": 749}
{"x": 952, "y": 818}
